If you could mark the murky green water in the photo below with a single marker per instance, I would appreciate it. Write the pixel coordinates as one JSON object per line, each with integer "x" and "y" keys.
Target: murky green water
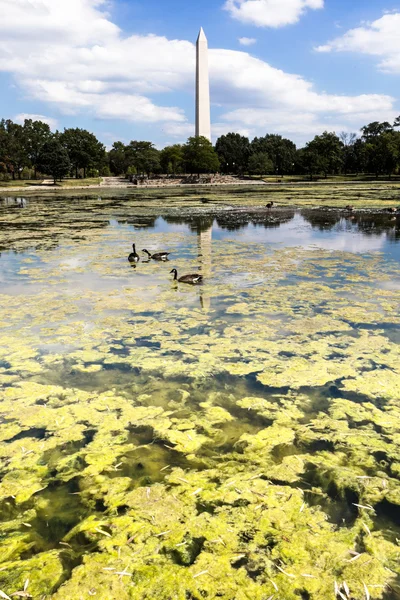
{"x": 239, "y": 439}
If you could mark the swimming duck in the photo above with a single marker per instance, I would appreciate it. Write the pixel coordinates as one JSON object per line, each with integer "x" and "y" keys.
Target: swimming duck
{"x": 349, "y": 207}
{"x": 391, "y": 209}
{"x": 193, "y": 278}
{"x": 157, "y": 255}
{"x": 269, "y": 205}
{"x": 133, "y": 257}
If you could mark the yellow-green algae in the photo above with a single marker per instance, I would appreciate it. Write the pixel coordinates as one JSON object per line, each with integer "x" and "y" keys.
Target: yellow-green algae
{"x": 150, "y": 448}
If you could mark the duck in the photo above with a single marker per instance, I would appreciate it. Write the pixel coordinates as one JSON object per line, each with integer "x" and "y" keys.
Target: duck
{"x": 349, "y": 207}
{"x": 193, "y": 278}
{"x": 391, "y": 209}
{"x": 133, "y": 257}
{"x": 269, "y": 205}
{"x": 157, "y": 255}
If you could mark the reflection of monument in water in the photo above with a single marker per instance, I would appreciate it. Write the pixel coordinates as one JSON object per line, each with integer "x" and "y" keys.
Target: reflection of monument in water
{"x": 204, "y": 244}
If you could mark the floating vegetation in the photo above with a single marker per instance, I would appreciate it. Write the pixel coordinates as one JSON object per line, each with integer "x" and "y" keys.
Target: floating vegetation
{"x": 236, "y": 440}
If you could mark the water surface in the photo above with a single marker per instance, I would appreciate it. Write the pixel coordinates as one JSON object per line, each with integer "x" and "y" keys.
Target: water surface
{"x": 239, "y": 439}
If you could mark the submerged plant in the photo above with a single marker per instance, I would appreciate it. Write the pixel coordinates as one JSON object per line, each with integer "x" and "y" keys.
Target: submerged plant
{"x": 240, "y": 440}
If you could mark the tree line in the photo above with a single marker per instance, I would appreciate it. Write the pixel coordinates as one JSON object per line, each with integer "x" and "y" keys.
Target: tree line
{"x": 32, "y": 150}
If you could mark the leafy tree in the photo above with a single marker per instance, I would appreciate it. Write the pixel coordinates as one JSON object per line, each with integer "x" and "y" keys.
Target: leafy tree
{"x": 12, "y": 148}
{"x": 384, "y": 153}
{"x": 131, "y": 171}
{"x": 83, "y": 148}
{"x": 374, "y": 130}
{"x": 171, "y": 158}
{"x": 200, "y": 156}
{"x": 36, "y": 134}
{"x": 233, "y": 152}
{"x": 360, "y": 155}
{"x": 118, "y": 159}
{"x": 396, "y": 122}
{"x": 329, "y": 150}
{"x": 281, "y": 151}
{"x": 54, "y": 159}
{"x": 260, "y": 164}
{"x": 308, "y": 161}
{"x": 4, "y": 158}
{"x": 144, "y": 156}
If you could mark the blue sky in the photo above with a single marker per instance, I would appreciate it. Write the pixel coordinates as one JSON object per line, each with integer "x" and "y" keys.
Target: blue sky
{"x": 125, "y": 69}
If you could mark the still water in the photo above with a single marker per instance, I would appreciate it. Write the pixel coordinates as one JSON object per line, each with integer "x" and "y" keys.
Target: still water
{"x": 239, "y": 439}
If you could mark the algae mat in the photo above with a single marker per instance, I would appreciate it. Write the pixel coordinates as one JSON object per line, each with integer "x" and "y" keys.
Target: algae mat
{"x": 238, "y": 440}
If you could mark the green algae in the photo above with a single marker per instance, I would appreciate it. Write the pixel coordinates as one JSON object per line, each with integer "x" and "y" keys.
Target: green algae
{"x": 151, "y": 448}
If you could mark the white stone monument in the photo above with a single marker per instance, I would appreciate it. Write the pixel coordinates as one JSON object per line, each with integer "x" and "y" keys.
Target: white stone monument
{"x": 203, "y": 118}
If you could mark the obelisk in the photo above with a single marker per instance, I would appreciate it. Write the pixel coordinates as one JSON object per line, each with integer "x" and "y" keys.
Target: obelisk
{"x": 203, "y": 118}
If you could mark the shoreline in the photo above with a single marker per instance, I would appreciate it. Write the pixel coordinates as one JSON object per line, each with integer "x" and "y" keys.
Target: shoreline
{"x": 38, "y": 190}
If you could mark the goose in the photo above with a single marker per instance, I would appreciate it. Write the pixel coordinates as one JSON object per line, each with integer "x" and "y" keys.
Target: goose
{"x": 157, "y": 255}
{"x": 193, "y": 278}
{"x": 269, "y": 205}
{"x": 133, "y": 257}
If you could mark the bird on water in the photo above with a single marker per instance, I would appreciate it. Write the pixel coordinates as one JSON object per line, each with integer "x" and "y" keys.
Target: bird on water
{"x": 133, "y": 257}
{"x": 193, "y": 278}
{"x": 157, "y": 255}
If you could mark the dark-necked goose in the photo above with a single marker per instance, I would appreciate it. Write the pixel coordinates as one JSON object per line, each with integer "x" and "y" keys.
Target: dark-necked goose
{"x": 133, "y": 257}
{"x": 193, "y": 278}
{"x": 157, "y": 255}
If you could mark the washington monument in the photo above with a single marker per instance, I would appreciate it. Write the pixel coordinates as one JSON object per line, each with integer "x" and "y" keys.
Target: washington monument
{"x": 203, "y": 119}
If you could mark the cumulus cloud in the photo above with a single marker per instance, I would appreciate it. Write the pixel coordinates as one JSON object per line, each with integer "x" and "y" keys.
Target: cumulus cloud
{"x": 56, "y": 21}
{"x": 380, "y": 38}
{"x": 264, "y": 98}
{"x": 132, "y": 78}
{"x": 49, "y": 120}
{"x": 245, "y": 41}
{"x": 270, "y": 13}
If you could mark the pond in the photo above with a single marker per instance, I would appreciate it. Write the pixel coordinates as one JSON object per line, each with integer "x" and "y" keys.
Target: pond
{"x": 237, "y": 439}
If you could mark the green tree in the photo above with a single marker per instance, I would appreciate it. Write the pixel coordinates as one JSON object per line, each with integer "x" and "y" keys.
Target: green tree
{"x": 375, "y": 129}
{"x": 200, "y": 156}
{"x": 54, "y": 159}
{"x": 83, "y": 148}
{"x": 384, "y": 153}
{"x": 396, "y": 122}
{"x": 171, "y": 158}
{"x": 281, "y": 151}
{"x": 308, "y": 161}
{"x": 36, "y": 135}
{"x": 118, "y": 159}
{"x": 360, "y": 154}
{"x": 233, "y": 152}
{"x": 260, "y": 164}
{"x": 144, "y": 156}
{"x": 12, "y": 147}
{"x": 329, "y": 149}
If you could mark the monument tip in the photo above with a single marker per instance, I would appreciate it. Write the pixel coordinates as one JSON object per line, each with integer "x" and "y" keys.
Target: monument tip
{"x": 202, "y": 35}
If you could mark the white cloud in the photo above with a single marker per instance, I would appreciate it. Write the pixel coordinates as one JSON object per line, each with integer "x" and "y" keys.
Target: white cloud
{"x": 53, "y": 123}
{"x": 180, "y": 131}
{"x": 56, "y": 21}
{"x": 124, "y": 78}
{"x": 245, "y": 41}
{"x": 380, "y": 38}
{"x": 270, "y": 13}
{"x": 263, "y": 98}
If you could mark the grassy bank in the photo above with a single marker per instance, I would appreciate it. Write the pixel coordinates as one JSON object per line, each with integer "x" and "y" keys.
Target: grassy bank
{"x": 46, "y": 184}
